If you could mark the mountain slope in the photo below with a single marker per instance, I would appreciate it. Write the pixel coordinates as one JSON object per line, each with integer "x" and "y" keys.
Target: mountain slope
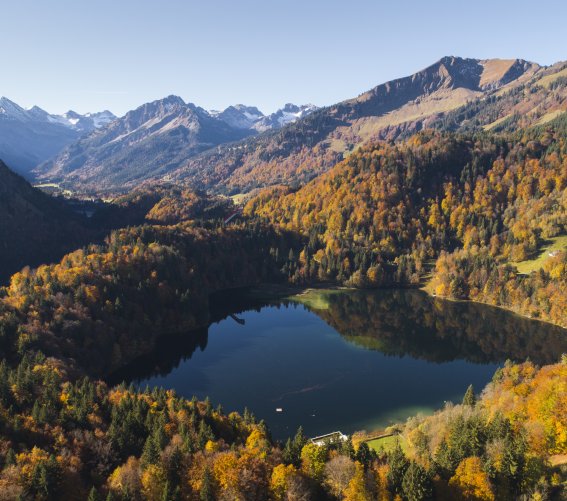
{"x": 155, "y": 139}
{"x": 537, "y": 102}
{"x": 34, "y": 227}
{"x": 147, "y": 142}
{"x": 312, "y": 145}
{"x": 173, "y": 142}
{"x": 477, "y": 203}
{"x": 29, "y": 137}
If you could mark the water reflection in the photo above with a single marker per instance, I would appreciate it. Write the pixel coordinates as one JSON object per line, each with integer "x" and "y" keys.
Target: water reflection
{"x": 410, "y": 322}
{"x": 393, "y": 322}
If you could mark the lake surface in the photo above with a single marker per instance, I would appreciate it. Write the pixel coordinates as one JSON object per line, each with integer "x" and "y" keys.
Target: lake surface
{"x": 352, "y": 360}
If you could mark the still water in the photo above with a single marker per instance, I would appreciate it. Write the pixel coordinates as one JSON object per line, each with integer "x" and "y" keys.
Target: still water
{"x": 347, "y": 360}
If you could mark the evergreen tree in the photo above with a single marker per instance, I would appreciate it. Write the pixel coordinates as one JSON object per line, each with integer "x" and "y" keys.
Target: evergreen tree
{"x": 299, "y": 440}
{"x": 288, "y": 452}
{"x": 398, "y": 465}
{"x": 166, "y": 494}
{"x": 417, "y": 484}
{"x": 151, "y": 451}
{"x": 93, "y": 495}
{"x": 364, "y": 455}
{"x": 346, "y": 448}
{"x": 470, "y": 397}
{"x": 446, "y": 461}
{"x": 206, "y": 492}
{"x": 10, "y": 458}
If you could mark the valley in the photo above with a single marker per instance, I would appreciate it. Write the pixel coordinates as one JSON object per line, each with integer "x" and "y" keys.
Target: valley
{"x": 189, "y": 295}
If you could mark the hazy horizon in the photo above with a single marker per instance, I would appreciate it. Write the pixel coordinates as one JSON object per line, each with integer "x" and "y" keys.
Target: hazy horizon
{"x": 117, "y": 56}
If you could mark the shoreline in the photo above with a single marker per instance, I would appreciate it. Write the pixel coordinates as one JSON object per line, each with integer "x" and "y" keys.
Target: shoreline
{"x": 271, "y": 292}
{"x": 499, "y": 306}
{"x": 281, "y": 291}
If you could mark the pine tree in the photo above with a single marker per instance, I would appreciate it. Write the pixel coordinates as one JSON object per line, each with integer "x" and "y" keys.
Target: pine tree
{"x": 398, "y": 465}
{"x": 151, "y": 451}
{"x": 10, "y": 458}
{"x": 288, "y": 453}
{"x": 206, "y": 492}
{"x": 417, "y": 484}
{"x": 166, "y": 495}
{"x": 346, "y": 448}
{"x": 93, "y": 495}
{"x": 364, "y": 455}
{"x": 470, "y": 397}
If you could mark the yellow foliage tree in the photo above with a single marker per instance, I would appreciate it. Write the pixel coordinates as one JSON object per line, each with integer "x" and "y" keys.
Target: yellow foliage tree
{"x": 153, "y": 482}
{"x": 470, "y": 482}
{"x": 279, "y": 479}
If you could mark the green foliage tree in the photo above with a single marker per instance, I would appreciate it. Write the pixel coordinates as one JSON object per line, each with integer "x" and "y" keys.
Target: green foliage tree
{"x": 398, "y": 464}
{"x": 417, "y": 484}
{"x": 469, "y": 397}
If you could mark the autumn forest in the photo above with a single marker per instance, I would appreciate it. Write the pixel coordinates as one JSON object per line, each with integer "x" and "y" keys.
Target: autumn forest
{"x": 371, "y": 216}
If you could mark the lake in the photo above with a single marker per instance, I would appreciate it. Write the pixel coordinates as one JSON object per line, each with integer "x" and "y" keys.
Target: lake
{"x": 343, "y": 360}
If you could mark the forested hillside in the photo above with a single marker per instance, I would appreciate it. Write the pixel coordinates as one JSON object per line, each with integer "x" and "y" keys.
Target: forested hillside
{"x": 34, "y": 228}
{"x": 164, "y": 204}
{"x": 102, "y": 306}
{"x": 380, "y": 217}
{"x": 65, "y": 436}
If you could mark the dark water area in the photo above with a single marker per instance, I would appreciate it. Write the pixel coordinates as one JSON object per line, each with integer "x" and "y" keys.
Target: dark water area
{"x": 351, "y": 360}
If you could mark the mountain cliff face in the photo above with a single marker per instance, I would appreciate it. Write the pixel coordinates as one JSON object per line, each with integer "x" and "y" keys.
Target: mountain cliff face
{"x": 34, "y": 227}
{"x": 29, "y": 137}
{"x": 535, "y": 102}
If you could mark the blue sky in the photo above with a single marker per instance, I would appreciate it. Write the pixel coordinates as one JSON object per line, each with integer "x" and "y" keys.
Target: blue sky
{"x": 88, "y": 55}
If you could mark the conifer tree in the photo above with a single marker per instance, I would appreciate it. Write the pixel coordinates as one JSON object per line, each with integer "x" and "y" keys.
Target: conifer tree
{"x": 206, "y": 492}
{"x": 470, "y": 397}
{"x": 416, "y": 485}
{"x": 93, "y": 495}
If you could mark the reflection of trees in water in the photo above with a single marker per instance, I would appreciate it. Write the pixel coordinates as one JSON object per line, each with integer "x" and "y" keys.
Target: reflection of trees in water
{"x": 168, "y": 354}
{"x": 394, "y": 322}
{"x": 409, "y": 322}
{"x": 172, "y": 350}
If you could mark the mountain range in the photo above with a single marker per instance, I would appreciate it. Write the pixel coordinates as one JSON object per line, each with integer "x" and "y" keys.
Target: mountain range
{"x": 240, "y": 149}
{"x": 155, "y": 139}
{"x": 29, "y": 137}
{"x": 452, "y": 94}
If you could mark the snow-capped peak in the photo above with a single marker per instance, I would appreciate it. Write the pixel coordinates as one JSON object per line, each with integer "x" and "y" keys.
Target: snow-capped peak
{"x": 71, "y": 119}
{"x": 239, "y": 116}
{"x": 11, "y": 110}
{"x": 286, "y": 115}
{"x": 250, "y": 117}
{"x": 101, "y": 118}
